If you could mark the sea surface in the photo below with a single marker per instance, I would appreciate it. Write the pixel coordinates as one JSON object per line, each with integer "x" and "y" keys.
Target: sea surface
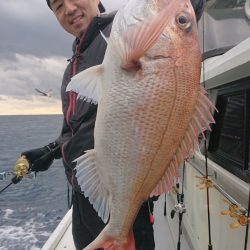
{"x": 31, "y": 209}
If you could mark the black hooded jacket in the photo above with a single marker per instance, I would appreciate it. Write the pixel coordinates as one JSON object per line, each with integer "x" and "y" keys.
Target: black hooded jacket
{"x": 77, "y": 133}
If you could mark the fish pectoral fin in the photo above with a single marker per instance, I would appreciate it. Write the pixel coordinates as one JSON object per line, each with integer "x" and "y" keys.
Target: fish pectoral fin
{"x": 90, "y": 182}
{"x": 138, "y": 39}
{"x": 88, "y": 84}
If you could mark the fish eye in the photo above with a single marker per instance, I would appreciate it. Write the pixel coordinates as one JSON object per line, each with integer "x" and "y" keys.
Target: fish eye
{"x": 183, "y": 21}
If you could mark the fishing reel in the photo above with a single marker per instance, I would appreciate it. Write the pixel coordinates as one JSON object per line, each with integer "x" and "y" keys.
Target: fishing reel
{"x": 204, "y": 183}
{"x": 237, "y": 213}
{"x": 21, "y": 168}
{"x": 179, "y": 208}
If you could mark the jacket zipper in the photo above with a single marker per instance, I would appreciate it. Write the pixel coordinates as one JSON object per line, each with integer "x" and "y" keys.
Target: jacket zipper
{"x": 72, "y": 102}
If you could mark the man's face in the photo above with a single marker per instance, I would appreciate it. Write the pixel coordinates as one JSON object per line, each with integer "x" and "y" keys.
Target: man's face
{"x": 75, "y": 15}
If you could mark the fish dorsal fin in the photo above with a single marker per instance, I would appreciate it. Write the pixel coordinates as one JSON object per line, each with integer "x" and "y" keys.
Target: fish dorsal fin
{"x": 90, "y": 182}
{"x": 131, "y": 45}
{"x": 199, "y": 122}
{"x": 88, "y": 84}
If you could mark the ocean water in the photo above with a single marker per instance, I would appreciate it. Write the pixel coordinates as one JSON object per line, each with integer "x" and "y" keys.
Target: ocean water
{"x": 31, "y": 209}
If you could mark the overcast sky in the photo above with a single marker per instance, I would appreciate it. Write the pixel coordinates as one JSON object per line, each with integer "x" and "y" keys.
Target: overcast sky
{"x": 33, "y": 54}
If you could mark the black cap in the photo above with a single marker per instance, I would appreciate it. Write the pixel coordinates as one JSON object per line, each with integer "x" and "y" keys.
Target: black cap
{"x": 198, "y": 6}
{"x": 100, "y": 6}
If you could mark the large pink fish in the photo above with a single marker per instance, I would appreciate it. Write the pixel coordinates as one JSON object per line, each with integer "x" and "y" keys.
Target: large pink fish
{"x": 151, "y": 109}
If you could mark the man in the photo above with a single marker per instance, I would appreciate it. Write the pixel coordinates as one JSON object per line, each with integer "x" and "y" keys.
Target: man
{"x": 83, "y": 20}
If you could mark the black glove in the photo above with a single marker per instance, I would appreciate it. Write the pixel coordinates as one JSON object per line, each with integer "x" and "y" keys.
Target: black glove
{"x": 198, "y": 6}
{"x": 40, "y": 159}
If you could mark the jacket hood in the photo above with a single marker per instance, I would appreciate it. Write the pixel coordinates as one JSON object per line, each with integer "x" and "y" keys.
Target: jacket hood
{"x": 98, "y": 23}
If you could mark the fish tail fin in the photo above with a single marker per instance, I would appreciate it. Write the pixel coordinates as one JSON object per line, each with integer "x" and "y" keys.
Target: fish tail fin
{"x": 107, "y": 242}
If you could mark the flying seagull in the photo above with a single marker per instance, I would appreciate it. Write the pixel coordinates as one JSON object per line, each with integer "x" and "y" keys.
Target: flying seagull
{"x": 48, "y": 93}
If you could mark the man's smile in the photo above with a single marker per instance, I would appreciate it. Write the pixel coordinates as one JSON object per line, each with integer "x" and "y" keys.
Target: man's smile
{"x": 76, "y": 19}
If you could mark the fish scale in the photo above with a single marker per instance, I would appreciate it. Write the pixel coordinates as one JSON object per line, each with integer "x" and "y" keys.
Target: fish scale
{"x": 151, "y": 109}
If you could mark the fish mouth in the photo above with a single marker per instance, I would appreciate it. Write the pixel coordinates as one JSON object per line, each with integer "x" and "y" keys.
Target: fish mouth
{"x": 159, "y": 57}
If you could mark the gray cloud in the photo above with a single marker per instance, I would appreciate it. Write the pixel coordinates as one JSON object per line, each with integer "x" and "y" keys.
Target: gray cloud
{"x": 29, "y": 27}
{"x": 27, "y": 72}
{"x": 33, "y": 52}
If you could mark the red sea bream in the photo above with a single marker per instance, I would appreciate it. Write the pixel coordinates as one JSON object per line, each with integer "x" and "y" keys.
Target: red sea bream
{"x": 151, "y": 109}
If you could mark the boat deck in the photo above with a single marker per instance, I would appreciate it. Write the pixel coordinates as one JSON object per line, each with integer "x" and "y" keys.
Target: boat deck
{"x": 165, "y": 231}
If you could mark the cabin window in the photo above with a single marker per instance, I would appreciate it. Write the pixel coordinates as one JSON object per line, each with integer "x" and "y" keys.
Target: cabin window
{"x": 229, "y": 139}
{"x": 226, "y": 24}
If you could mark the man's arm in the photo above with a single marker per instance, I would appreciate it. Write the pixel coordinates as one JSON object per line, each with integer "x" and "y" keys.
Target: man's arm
{"x": 40, "y": 159}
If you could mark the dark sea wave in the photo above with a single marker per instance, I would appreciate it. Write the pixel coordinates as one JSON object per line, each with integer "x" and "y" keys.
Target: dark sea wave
{"x": 31, "y": 209}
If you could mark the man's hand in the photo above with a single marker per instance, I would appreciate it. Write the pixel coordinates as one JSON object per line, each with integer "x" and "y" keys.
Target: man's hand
{"x": 41, "y": 159}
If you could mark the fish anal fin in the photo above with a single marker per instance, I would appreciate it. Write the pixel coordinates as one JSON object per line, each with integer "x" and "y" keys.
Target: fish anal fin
{"x": 139, "y": 38}
{"x": 90, "y": 182}
{"x": 165, "y": 184}
{"x": 88, "y": 84}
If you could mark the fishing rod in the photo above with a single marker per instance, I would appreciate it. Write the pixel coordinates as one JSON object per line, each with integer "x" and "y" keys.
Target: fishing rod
{"x": 180, "y": 208}
{"x": 247, "y": 226}
{"x": 210, "y": 246}
{"x": 246, "y": 162}
{"x": 165, "y": 205}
